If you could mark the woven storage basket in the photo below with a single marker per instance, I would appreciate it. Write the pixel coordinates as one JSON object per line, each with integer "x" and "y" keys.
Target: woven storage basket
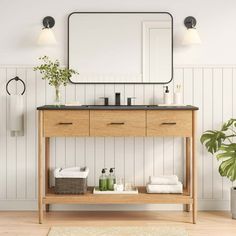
{"x": 69, "y": 185}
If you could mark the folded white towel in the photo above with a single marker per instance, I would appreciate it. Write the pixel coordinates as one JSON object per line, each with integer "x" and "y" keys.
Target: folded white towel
{"x": 73, "y": 172}
{"x": 163, "y": 179}
{"x": 177, "y": 188}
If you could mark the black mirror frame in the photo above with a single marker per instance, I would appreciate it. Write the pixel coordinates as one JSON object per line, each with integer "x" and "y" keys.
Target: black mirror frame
{"x": 172, "y": 43}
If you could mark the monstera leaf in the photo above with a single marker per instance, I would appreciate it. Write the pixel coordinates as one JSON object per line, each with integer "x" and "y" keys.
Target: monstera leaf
{"x": 226, "y": 125}
{"x": 213, "y": 140}
{"x": 228, "y": 166}
{"x": 220, "y": 142}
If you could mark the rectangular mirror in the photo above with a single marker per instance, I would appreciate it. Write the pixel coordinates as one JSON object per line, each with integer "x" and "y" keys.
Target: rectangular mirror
{"x": 121, "y": 47}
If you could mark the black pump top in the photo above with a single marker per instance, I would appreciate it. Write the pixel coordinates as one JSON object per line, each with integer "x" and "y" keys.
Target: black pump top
{"x": 167, "y": 89}
{"x": 112, "y": 170}
{"x": 104, "y": 170}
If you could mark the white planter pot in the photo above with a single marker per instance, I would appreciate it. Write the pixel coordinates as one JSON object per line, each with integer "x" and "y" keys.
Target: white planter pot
{"x": 233, "y": 202}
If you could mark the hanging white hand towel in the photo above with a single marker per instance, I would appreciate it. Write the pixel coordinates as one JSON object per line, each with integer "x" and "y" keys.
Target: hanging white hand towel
{"x": 16, "y": 115}
{"x": 163, "y": 179}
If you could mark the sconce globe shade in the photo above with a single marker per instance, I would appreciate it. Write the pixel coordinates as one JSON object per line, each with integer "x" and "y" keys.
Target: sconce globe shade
{"x": 47, "y": 37}
{"x": 191, "y": 37}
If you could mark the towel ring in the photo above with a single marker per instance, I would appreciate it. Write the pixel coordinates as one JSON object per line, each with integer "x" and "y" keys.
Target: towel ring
{"x": 16, "y": 79}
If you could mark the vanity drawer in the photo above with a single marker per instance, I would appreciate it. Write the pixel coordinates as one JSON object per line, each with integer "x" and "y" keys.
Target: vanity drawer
{"x": 169, "y": 123}
{"x": 117, "y": 123}
{"x": 66, "y": 123}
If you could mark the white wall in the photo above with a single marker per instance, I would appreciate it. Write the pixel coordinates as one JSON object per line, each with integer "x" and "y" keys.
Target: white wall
{"x": 211, "y": 88}
{"x": 21, "y": 23}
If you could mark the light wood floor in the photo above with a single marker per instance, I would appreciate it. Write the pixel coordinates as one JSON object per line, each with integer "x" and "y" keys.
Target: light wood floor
{"x": 25, "y": 223}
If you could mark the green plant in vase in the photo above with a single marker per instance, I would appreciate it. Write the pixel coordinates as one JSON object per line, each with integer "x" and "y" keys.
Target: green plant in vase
{"x": 57, "y": 76}
{"x": 221, "y": 143}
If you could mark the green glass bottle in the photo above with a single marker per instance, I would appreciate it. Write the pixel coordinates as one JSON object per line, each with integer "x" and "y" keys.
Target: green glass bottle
{"x": 111, "y": 180}
{"x": 103, "y": 181}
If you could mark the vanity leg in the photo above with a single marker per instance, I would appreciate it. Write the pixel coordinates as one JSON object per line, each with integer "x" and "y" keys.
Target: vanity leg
{"x": 194, "y": 170}
{"x": 188, "y": 172}
{"x": 40, "y": 167}
{"x": 47, "y": 170}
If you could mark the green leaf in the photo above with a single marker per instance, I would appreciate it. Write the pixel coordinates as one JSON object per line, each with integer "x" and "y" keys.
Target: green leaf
{"x": 227, "y": 124}
{"x": 220, "y": 142}
{"x": 228, "y": 166}
{"x": 52, "y": 72}
{"x": 212, "y": 140}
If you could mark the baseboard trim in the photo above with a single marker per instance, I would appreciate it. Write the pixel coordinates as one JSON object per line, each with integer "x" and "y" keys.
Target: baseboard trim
{"x": 31, "y": 205}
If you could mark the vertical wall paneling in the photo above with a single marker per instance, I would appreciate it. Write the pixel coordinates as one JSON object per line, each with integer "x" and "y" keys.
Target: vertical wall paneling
{"x": 227, "y": 114}
{"x": 198, "y": 101}
{"x": 3, "y": 135}
{"x": 11, "y": 147}
{"x": 210, "y": 88}
{"x": 217, "y": 94}
{"x": 21, "y": 154}
{"x": 207, "y": 124}
{"x": 31, "y": 144}
{"x": 120, "y": 157}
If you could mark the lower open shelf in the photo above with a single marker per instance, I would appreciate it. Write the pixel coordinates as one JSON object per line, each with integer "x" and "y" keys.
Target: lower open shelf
{"x": 142, "y": 198}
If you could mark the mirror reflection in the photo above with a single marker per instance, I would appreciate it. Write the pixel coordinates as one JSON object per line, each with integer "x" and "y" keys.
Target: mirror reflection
{"x": 121, "y": 47}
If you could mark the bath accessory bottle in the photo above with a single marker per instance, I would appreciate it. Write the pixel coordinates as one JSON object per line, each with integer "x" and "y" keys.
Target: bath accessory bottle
{"x": 111, "y": 180}
{"x": 178, "y": 95}
{"x": 103, "y": 180}
{"x": 167, "y": 96}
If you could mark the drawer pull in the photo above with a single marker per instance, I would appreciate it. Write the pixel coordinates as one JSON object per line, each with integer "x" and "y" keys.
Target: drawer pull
{"x": 116, "y": 123}
{"x": 168, "y": 123}
{"x": 65, "y": 123}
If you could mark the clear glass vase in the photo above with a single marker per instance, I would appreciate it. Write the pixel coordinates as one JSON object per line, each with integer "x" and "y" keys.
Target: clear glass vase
{"x": 57, "y": 101}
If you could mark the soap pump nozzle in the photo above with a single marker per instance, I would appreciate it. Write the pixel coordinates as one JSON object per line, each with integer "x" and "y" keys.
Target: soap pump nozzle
{"x": 112, "y": 170}
{"x": 167, "y": 95}
{"x": 166, "y": 89}
{"x": 103, "y": 180}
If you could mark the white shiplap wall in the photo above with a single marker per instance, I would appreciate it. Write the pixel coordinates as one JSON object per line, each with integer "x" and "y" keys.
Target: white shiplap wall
{"x": 211, "y": 88}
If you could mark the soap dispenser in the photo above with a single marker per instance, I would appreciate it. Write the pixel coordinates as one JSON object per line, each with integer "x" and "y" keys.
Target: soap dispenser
{"x": 103, "y": 180}
{"x": 167, "y": 96}
{"x": 111, "y": 180}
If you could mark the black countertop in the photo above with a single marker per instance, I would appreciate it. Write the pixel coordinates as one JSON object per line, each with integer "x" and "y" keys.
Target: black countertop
{"x": 122, "y": 107}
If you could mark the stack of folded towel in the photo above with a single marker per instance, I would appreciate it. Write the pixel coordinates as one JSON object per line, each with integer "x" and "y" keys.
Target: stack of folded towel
{"x": 72, "y": 172}
{"x": 164, "y": 184}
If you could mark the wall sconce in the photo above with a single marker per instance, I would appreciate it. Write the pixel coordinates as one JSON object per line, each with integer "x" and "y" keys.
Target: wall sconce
{"x": 191, "y": 36}
{"x": 47, "y": 37}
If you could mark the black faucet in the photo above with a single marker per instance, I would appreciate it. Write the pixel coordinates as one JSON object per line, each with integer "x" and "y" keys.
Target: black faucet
{"x": 129, "y": 101}
{"x": 117, "y": 99}
{"x": 106, "y": 100}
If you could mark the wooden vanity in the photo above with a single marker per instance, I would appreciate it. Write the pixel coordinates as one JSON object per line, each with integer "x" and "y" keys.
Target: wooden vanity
{"x": 116, "y": 121}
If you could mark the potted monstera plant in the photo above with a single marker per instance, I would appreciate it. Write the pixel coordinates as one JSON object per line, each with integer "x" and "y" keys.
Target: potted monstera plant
{"x": 221, "y": 143}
